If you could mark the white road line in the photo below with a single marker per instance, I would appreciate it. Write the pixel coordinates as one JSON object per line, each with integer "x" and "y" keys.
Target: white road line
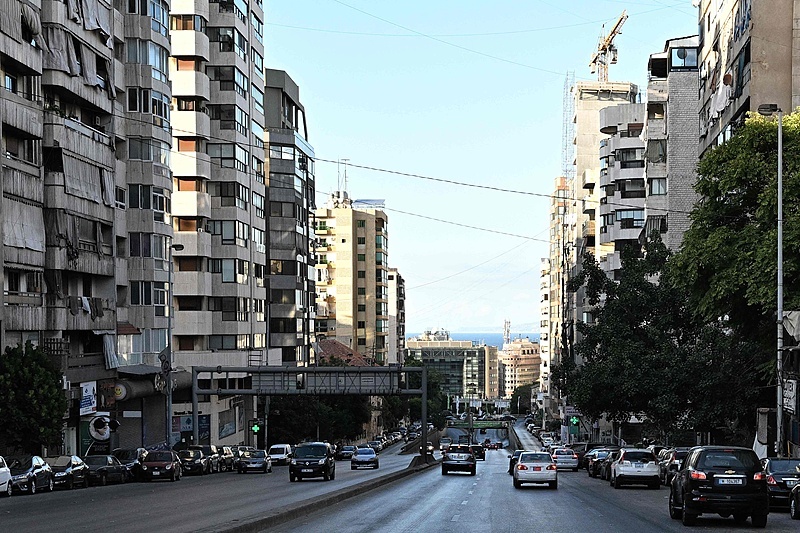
{"x": 455, "y": 518}
{"x": 464, "y": 502}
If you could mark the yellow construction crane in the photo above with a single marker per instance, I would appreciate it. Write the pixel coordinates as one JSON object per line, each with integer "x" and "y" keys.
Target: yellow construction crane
{"x": 606, "y": 51}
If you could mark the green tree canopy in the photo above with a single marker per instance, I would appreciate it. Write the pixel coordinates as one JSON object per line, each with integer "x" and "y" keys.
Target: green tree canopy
{"x": 32, "y": 404}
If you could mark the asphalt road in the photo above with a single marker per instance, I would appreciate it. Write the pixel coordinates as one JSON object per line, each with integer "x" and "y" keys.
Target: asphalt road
{"x": 488, "y": 502}
{"x": 191, "y": 504}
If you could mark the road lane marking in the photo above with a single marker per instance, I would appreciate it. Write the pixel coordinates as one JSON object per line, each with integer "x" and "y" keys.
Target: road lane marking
{"x": 455, "y": 518}
{"x": 464, "y": 502}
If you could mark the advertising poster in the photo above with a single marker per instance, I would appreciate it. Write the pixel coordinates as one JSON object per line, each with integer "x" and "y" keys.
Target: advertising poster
{"x": 88, "y": 398}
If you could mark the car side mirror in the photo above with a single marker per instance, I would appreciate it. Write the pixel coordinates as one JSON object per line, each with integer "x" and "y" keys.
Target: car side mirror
{"x": 509, "y": 457}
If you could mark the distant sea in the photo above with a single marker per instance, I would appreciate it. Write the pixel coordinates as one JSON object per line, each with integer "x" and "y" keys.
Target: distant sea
{"x": 490, "y": 339}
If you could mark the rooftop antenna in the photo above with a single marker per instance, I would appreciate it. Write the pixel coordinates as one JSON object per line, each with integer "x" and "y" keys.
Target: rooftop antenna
{"x": 338, "y": 175}
{"x": 606, "y": 53}
{"x": 507, "y": 332}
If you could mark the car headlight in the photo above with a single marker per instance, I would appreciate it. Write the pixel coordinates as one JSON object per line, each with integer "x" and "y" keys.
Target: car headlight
{"x": 20, "y": 477}
{"x": 168, "y": 467}
{"x": 144, "y": 467}
{"x": 294, "y": 461}
{"x": 61, "y": 474}
{"x": 322, "y": 461}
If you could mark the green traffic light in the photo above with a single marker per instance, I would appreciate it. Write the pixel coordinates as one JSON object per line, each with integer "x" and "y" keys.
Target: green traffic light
{"x": 574, "y": 420}
{"x": 256, "y": 428}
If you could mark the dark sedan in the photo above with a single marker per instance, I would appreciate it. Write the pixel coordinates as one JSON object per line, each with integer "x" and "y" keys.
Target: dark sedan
{"x": 30, "y": 473}
{"x": 105, "y": 469}
{"x": 69, "y": 471}
{"x": 161, "y": 464}
{"x": 364, "y": 457}
{"x": 782, "y": 476}
{"x": 512, "y": 460}
{"x": 478, "y": 451}
{"x": 344, "y": 453}
{"x": 669, "y": 462}
{"x": 194, "y": 462}
{"x": 255, "y": 460}
{"x": 594, "y": 459}
{"x": 131, "y": 458}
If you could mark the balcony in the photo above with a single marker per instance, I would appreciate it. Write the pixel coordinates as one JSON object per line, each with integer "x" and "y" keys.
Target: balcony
{"x": 190, "y": 83}
{"x": 70, "y": 313}
{"x": 193, "y": 322}
{"x": 190, "y": 43}
{"x": 190, "y": 283}
{"x": 191, "y": 164}
{"x": 195, "y": 243}
{"x": 191, "y": 204}
{"x": 21, "y": 114}
{"x": 191, "y": 123}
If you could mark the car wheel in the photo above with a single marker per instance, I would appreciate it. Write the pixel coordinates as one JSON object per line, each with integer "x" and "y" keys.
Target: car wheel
{"x": 376, "y": 466}
{"x": 612, "y": 482}
{"x": 51, "y": 485}
{"x": 575, "y": 469}
{"x": 655, "y": 485}
{"x": 333, "y": 474}
{"x": 553, "y": 484}
{"x": 759, "y": 520}
{"x": 292, "y": 477}
{"x": 674, "y": 512}
{"x": 352, "y": 467}
{"x": 32, "y": 486}
{"x": 269, "y": 469}
{"x": 444, "y": 471}
{"x": 739, "y": 518}
{"x": 794, "y": 509}
{"x": 70, "y": 484}
{"x": 103, "y": 480}
{"x": 517, "y": 484}
{"x": 688, "y": 519}
{"x": 9, "y": 490}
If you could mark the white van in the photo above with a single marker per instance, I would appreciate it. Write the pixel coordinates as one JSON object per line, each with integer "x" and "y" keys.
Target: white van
{"x": 280, "y": 454}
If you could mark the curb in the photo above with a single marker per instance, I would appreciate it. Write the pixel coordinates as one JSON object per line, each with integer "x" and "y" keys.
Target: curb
{"x": 290, "y": 512}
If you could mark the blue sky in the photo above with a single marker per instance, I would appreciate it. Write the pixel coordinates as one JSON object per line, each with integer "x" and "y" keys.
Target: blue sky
{"x": 462, "y": 91}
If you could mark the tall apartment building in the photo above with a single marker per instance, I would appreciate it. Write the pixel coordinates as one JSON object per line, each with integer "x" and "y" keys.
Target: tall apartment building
{"x": 622, "y": 182}
{"x": 397, "y": 318}
{"x": 352, "y": 283}
{"x": 521, "y": 362}
{"x": 465, "y": 366}
{"x": 748, "y": 53}
{"x": 671, "y": 133}
{"x": 291, "y": 189}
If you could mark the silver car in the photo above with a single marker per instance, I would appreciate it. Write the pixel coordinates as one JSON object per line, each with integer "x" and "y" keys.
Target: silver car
{"x": 535, "y": 467}
{"x": 255, "y": 460}
{"x": 565, "y": 458}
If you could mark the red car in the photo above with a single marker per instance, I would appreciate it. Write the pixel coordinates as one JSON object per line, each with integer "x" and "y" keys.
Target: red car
{"x": 161, "y": 464}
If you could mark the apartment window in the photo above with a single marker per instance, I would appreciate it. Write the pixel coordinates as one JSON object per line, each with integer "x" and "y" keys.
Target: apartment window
{"x": 258, "y": 27}
{"x": 183, "y": 103}
{"x": 362, "y": 241}
{"x": 282, "y": 209}
{"x": 361, "y": 324}
{"x": 158, "y": 11}
{"x": 10, "y": 83}
{"x": 258, "y": 63}
{"x": 230, "y": 117}
{"x": 630, "y": 218}
{"x": 232, "y": 270}
{"x": 190, "y": 65}
{"x": 258, "y": 99}
{"x": 258, "y": 134}
{"x": 683, "y": 59}
{"x": 279, "y": 267}
{"x": 361, "y": 257}
{"x": 230, "y": 193}
{"x": 228, "y": 342}
{"x": 362, "y": 291}
{"x": 362, "y": 341}
{"x": 362, "y": 274}
{"x": 655, "y": 110}
{"x": 259, "y": 274}
{"x": 260, "y": 240}
{"x": 283, "y": 325}
{"x": 145, "y": 52}
{"x": 139, "y": 99}
{"x": 230, "y": 79}
{"x": 282, "y": 296}
{"x": 227, "y": 155}
{"x": 361, "y": 223}
{"x": 362, "y": 308}
{"x": 259, "y": 314}
{"x": 188, "y": 22}
{"x": 232, "y": 309}
{"x": 160, "y": 109}
{"x": 258, "y": 169}
{"x": 277, "y": 151}
{"x": 161, "y": 205}
{"x": 121, "y": 197}
{"x": 380, "y": 257}
{"x": 658, "y": 186}
{"x": 232, "y": 231}
{"x": 188, "y": 144}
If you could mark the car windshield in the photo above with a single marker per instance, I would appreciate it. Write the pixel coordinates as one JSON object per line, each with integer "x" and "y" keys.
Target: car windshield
{"x": 348, "y": 448}
{"x": 19, "y": 464}
{"x": 63, "y": 460}
{"x": 95, "y": 460}
{"x": 255, "y": 454}
{"x": 277, "y": 450}
{"x": 602, "y": 455}
{"x": 126, "y": 455}
{"x": 639, "y": 457}
{"x": 564, "y": 451}
{"x": 318, "y": 450}
{"x": 784, "y": 465}
{"x": 739, "y": 459}
{"x": 535, "y": 458}
{"x": 516, "y": 453}
{"x": 158, "y": 456}
{"x": 189, "y": 454}
{"x": 459, "y": 449}
{"x": 365, "y": 451}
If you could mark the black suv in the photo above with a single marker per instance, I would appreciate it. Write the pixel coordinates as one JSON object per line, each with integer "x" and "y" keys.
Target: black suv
{"x": 312, "y": 459}
{"x": 726, "y": 480}
{"x": 210, "y": 451}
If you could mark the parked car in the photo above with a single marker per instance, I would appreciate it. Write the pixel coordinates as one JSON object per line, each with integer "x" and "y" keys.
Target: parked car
{"x": 69, "y": 471}
{"x": 226, "y": 458}
{"x": 535, "y": 467}
{"x": 669, "y": 462}
{"x": 256, "y": 460}
{"x": 344, "y": 453}
{"x": 594, "y": 459}
{"x": 132, "y": 459}
{"x": 605, "y": 465}
{"x": 727, "y": 480}
{"x": 210, "y": 451}
{"x": 458, "y": 457}
{"x": 280, "y": 454}
{"x": 782, "y": 475}
{"x": 478, "y": 451}
{"x": 104, "y": 469}
{"x": 794, "y": 502}
{"x": 238, "y": 451}
{"x": 376, "y": 445}
{"x": 162, "y": 464}
{"x": 30, "y": 473}
{"x": 6, "y": 486}
{"x": 312, "y": 459}
{"x": 635, "y": 466}
{"x": 364, "y": 457}
{"x": 565, "y": 458}
{"x": 589, "y": 446}
{"x": 512, "y": 460}
{"x": 194, "y": 462}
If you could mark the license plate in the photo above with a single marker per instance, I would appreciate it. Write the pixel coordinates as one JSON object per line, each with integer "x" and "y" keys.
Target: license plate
{"x": 537, "y": 468}
{"x": 791, "y": 483}
{"x": 156, "y": 473}
{"x": 729, "y": 481}
{"x": 639, "y": 467}
{"x": 306, "y": 470}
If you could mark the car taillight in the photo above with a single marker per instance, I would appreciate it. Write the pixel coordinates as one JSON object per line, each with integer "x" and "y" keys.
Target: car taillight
{"x": 551, "y": 467}
{"x": 759, "y": 476}
{"x": 574, "y": 455}
{"x": 697, "y": 475}
{"x": 522, "y": 467}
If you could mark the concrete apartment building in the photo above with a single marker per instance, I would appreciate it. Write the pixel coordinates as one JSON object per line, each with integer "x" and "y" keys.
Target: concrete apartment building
{"x": 352, "y": 275}
{"x": 671, "y": 133}
{"x": 748, "y": 52}
{"x": 622, "y": 183}
{"x": 397, "y": 318}
{"x": 520, "y": 360}
{"x": 465, "y": 366}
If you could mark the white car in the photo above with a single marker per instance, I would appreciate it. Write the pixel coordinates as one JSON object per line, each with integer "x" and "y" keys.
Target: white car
{"x": 566, "y": 458}
{"x": 444, "y": 443}
{"x": 280, "y": 454}
{"x": 5, "y": 478}
{"x": 635, "y": 467}
{"x": 535, "y": 467}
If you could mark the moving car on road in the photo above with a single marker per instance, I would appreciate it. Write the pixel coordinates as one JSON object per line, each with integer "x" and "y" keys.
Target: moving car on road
{"x": 345, "y": 452}
{"x": 364, "y": 457}
{"x": 256, "y": 460}
{"x": 535, "y": 467}
{"x": 444, "y": 443}
{"x": 458, "y": 458}
{"x": 104, "y": 469}
{"x": 478, "y": 451}
{"x": 69, "y": 471}
{"x": 565, "y": 458}
{"x": 6, "y": 487}
{"x": 280, "y": 454}
{"x": 312, "y": 459}
{"x": 727, "y": 480}
{"x": 782, "y": 475}
{"x": 635, "y": 466}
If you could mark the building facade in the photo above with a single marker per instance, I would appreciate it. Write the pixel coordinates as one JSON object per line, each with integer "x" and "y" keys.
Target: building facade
{"x": 396, "y": 340}
{"x": 521, "y": 363}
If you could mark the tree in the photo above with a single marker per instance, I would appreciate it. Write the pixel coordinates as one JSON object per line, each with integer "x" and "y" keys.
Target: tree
{"x": 32, "y": 401}
{"x": 522, "y": 397}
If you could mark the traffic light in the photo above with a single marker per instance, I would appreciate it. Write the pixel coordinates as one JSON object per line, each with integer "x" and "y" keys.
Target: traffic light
{"x": 574, "y": 420}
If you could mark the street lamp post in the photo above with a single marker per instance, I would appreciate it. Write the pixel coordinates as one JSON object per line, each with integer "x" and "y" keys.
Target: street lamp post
{"x": 168, "y": 362}
{"x": 769, "y": 109}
